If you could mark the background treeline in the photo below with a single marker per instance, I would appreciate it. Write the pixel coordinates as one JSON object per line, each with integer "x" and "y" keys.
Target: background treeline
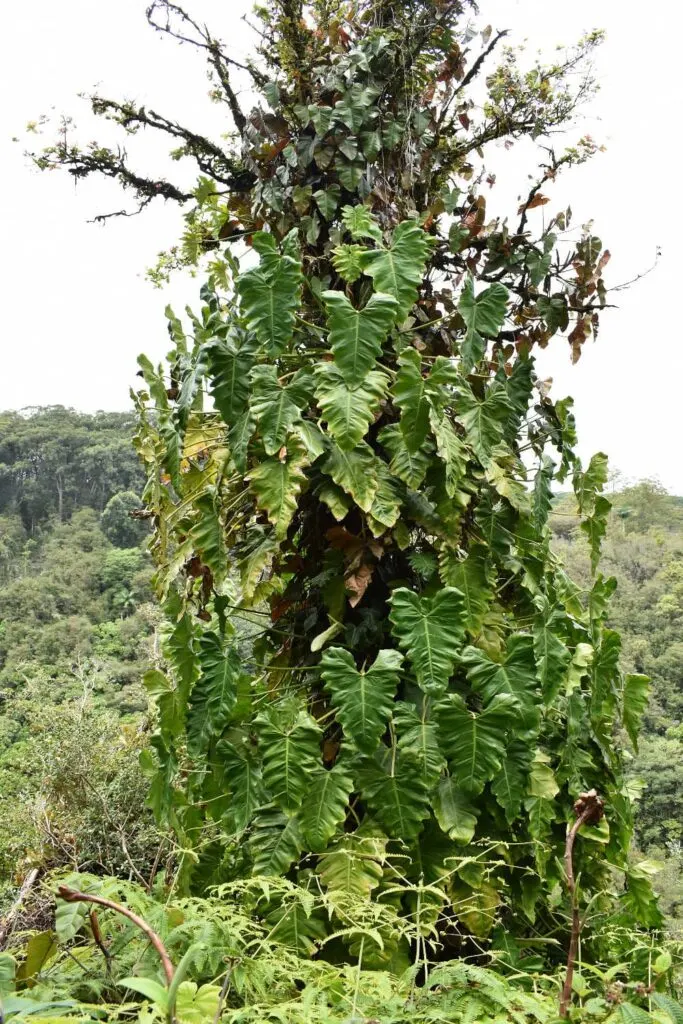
{"x": 77, "y": 628}
{"x": 77, "y": 632}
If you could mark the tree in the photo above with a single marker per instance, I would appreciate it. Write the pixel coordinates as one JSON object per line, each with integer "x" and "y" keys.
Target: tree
{"x": 426, "y": 694}
{"x": 123, "y": 530}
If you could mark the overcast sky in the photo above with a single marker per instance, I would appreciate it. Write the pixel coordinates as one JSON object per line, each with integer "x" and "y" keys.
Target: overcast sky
{"x": 76, "y": 308}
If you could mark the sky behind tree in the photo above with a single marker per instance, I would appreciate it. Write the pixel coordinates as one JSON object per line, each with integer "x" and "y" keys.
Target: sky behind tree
{"x": 77, "y": 308}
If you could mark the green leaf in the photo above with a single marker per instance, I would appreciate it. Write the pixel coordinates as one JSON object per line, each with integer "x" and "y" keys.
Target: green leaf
{"x": 275, "y": 843}
{"x": 509, "y": 785}
{"x": 290, "y": 751}
{"x": 270, "y": 293}
{"x": 483, "y": 316}
{"x": 191, "y": 381}
{"x": 396, "y": 792}
{"x": 672, "y": 1008}
{"x": 588, "y": 485}
{"x": 215, "y": 692}
{"x": 410, "y": 467}
{"x": 484, "y": 421}
{"x": 452, "y": 452}
{"x": 639, "y": 899}
{"x": 327, "y": 200}
{"x": 230, "y": 363}
{"x": 357, "y": 335}
{"x": 471, "y": 577}
{"x": 399, "y": 271}
{"x": 276, "y": 408}
{"x": 69, "y": 919}
{"x": 347, "y": 261}
{"x": 348, "y": 410}
{"x": 417, "y": 735}
{"x": 411, "y": 395}
{"x": 325, "y": 807}
{"x": 354, "y": 864}
{"x": 149, "y": 988}
{"x": 475, "y": 743}
{"x": 363, "y": 700}
{"x": 515, "y": 675}
{"x": 552, "y": 656}
{"x": 208, "y": 536}
{"x": 355, "y": 472}
{"x": 635, "y": 698}
{"x": 360, "y": 223}
{"x": 277, "y": 483}
{"x": 595, "y": 528}
{"x": 430, "y": 630}
{"x": 243, "y": 772}
{"x": 456, "y": 816}
{"x": 543, "y": 494}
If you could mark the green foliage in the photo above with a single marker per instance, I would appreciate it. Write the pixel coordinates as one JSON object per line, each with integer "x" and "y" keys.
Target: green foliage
{"x": 363, "y": 479}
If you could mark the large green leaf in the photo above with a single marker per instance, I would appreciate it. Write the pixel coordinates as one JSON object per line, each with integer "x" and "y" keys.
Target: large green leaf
{"x": 347, "y": 410}
{"x": 360, "y": 223}
{"x": 471, "y": 577}
{"x": 277, "y": 483}
{"x": 325, "y": 807}
{"x": 290, "y": 752}
{"x": 357, "y": 335}
{"x": 410, "y": 467}
{"x": 208, "y": 535}
{"x": 515, "y": 675}
{"x": 275, "y": 842}
{"x": 451, "y": 450}
{"x": 276, "y": 407}
{"x": 510, "y": 784}
{"x": 214, "y": 694}
{"x": 417, "y": 734}
{"x": 396, "y": 791}
{"x": 474, "y": 743}
{"x": 552, "y": 656}
{"x": 635, "y": 698}
{"x": 588, "y": 484}
{"x": 242, "y": 771}
{"x": 543, "y": 493}
{"x": 270, "y": 293}
{"x": 456, "y": 815}
{"x": 399, "y": 270}
{"x": 483, "y": 420}
{"x": 230, "y": 362}
{"x": 354, "y": 864}
{"x": 430, "y": 630}
{"x": 483, "y": 316}
{"x": 362, "y": 700}
{"x": 192, "y": 379}
{"x": 411, "y": 394}
{"x": 355, "y": 472}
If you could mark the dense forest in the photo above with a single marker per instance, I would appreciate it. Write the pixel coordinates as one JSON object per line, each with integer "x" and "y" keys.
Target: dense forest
{"x": 77, "y": 634}
{"x": 77, "y": 628}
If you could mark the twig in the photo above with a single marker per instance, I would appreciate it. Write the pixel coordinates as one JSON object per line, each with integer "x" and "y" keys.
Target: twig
{"x": 224, "y": 991}
{"x": 8, "y": 921}
{"x": 97, "y": 936}
{"x": 74, "y": 896}
{"x": 590, "y": 809}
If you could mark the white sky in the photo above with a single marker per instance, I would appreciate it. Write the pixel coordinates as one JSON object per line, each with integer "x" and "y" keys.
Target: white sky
{"x": 76, "y": 308}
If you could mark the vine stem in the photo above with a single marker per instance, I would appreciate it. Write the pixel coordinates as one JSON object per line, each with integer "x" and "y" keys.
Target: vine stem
{"x": 589, "y": 808}
{"x": 74, "y": 896}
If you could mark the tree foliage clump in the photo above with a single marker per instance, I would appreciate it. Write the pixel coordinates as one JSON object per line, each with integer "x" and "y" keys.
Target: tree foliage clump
{"x": 350, "y": 446}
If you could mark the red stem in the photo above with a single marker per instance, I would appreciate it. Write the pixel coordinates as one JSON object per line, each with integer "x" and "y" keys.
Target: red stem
{"x": 576, "y": 920}
{"x": 73, "y": 896}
